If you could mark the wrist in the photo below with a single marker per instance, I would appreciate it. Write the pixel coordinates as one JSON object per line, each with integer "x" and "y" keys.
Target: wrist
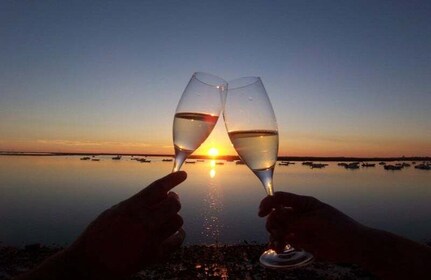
{"x": 389, "y": 256}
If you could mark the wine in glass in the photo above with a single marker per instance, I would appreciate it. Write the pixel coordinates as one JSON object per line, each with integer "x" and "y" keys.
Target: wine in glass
{"x": 197, "y": 113}
{"x": 252, "y": 127}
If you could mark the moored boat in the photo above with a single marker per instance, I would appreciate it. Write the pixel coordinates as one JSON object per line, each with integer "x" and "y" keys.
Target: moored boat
{"x": 143, "y": 160}
{"x": 318, "y": 165}
{"x": 352, "y": 165}
{"x": 393, "y": 167}
{"x": 423, "y": 166}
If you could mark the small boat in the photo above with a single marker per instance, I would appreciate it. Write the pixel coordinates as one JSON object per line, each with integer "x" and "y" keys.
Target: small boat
{"x": 382, "y": 163}
{"x": 393, "y": 167}
{"x": 402, "y": 164}
{"x": 85, "y": 158}
{"x": 200, "y": 160}
{"x": 190, "y": 162}
{"x": 342, "y": 164}
{"x": 167, "y": 159}
{"x": 318, "y": 165}
{"x": 95, "y": 159}
{"x": 239, "y": 162}
{"x": 368, "y": 164}
{"x": 309, "y": 163}
{"x": 423, "y": 166}
{"x": 117, "y": 157}
{"x": 283, "y": 164}
{"x": 352, "y": 165}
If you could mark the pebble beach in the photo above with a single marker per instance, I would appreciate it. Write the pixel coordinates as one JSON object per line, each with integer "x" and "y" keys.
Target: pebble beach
{"x": 194, "y": 262}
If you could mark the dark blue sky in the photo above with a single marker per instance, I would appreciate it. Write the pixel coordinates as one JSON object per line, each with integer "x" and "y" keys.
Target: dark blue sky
{"x": 345, "y": 77}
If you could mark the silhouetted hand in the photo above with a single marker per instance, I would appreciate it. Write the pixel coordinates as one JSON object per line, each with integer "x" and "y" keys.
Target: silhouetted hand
{"x": 124, "y": 238}
{"x": 305, "y": 222}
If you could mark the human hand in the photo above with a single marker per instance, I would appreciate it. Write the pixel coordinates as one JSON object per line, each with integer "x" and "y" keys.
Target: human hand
{"x": 307, "y": 223}
{"x": 133, "y": 233}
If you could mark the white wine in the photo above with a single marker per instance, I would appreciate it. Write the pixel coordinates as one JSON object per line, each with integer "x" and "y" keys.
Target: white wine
{"x": 191, "y": 129}
{"x": 257, "y": 148}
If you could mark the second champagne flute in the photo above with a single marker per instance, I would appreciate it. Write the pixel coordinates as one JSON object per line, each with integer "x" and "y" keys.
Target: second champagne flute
{"x": 252, "y": 128}
{"x": 197, "y": 113}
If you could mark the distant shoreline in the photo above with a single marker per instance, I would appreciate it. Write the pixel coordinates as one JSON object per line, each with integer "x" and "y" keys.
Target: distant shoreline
{"x": 227, "y": 157}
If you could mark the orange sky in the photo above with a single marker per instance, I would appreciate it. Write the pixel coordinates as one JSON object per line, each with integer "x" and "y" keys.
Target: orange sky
{"x": 290, "y": 145}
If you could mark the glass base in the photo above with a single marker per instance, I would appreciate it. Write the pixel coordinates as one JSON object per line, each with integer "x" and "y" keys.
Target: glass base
{"x": 290, "y": 258}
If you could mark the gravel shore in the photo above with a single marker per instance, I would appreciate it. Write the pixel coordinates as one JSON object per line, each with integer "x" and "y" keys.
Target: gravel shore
{"x": 194, "y": 262}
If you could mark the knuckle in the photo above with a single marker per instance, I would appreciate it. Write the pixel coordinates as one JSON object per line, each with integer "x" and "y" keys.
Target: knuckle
{"x": 177, "y": 206}
{"x": 173, "y": 203}
{"x": 174, "y": 194}
{"x": 179, "y": 220}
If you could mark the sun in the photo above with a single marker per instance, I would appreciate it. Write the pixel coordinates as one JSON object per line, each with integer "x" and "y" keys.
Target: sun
{"x": 213, "y": 152}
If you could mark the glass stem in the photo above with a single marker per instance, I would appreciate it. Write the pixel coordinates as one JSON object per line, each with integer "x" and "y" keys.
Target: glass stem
{"x": 180, "y": 157}
{"x": 265, "y": 176}
{"x": 269, "y": 187}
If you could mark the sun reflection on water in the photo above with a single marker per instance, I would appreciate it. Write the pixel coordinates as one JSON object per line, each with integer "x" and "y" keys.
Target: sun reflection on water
{"x": 213, "y": 206}
{"x": 212, "y": 173}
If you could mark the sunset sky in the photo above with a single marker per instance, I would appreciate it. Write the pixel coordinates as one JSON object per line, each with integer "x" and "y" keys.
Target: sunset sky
{"x": 346, "y": 78}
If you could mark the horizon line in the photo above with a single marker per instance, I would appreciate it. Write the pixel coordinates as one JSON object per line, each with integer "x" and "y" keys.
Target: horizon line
{"x": 230, "y": 157}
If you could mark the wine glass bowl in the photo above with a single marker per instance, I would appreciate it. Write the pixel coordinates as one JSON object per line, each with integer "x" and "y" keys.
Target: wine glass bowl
{"x": 252, "y": 128}
{"x": 197, "y": 114}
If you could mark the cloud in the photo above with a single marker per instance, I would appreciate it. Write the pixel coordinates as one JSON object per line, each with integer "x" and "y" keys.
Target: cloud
{"x": 90, "y": 143}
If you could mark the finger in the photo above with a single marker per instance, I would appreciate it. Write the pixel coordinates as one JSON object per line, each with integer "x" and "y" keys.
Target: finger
{"x": 299, "y": 203}
{"x": 171, "y": 244}
{"x": 157, "y": 215}
{"x": 168, "y": 206}
{"x": 171, "y": 225}
{"x": 174, "y": 241}
{"x": 278, "y": 243}
{"x": 278, "y": 224}
{"x": 278, "y": 220}
{"x": 158, "y": 190}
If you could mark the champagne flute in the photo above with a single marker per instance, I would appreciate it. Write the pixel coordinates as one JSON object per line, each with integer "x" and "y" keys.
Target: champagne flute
{"x": 197, "y": 113}
{"x": 252, "y": 127}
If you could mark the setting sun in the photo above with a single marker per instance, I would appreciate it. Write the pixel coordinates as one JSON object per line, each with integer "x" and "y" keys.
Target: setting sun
{"x": 213, "y": 152}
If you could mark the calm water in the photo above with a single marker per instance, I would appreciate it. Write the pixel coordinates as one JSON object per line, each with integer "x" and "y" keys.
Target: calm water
{"x": 52, "y": 199}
